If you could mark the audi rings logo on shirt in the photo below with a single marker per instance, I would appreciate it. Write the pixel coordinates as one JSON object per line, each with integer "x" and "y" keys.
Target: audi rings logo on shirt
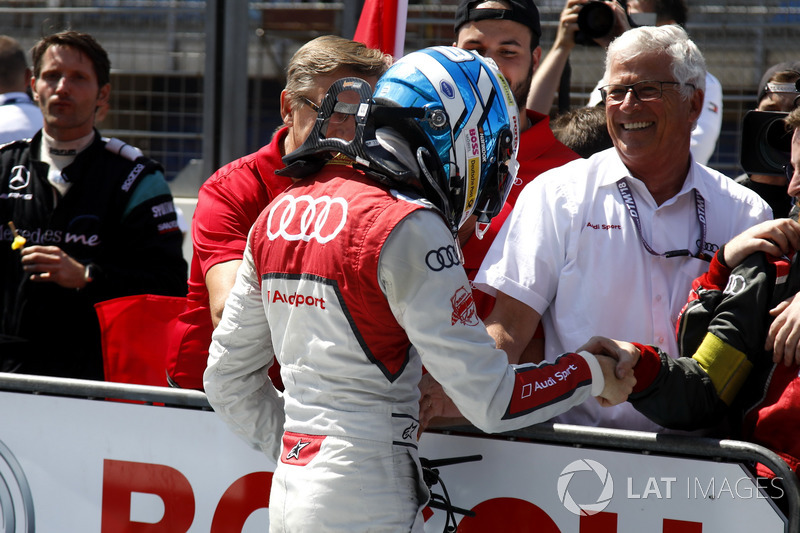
{"x": 16, "y": 500}
{"x": 306, "y": 218}
{"x": 708, "y": 247}
{"x": 20, "y": 178}
{"x": 444, "y": 257}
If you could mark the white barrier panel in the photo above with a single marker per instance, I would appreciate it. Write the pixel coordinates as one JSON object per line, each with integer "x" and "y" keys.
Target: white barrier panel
{"x": 73, "y": 465}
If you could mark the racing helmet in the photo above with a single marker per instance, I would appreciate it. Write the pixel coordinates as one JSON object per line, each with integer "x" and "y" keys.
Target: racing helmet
{"x": 462, "y": 123}
{"x": 441, "y": 121}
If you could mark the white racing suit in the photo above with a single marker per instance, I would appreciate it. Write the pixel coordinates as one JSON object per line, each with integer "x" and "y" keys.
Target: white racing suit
{"x": 340, "y": 278}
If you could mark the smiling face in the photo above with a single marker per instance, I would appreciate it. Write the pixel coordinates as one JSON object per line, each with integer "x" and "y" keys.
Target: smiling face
{"x": 68, "y": 93}
{"x": 651, "y": 133}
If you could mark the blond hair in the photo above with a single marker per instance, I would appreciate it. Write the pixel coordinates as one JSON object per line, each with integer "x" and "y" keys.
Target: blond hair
{"x": 329, "y": 54}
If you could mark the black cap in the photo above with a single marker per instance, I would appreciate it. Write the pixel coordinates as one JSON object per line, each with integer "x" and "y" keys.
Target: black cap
{"x": 522, "y": 11}
{"x": 771, "y": 71}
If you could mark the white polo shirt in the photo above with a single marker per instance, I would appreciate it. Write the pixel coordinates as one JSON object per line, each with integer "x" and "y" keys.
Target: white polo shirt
{"x": 571, "y": 251}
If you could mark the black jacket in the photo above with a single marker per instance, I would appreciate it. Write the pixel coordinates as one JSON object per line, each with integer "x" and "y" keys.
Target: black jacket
{"x": 118, "y": 215}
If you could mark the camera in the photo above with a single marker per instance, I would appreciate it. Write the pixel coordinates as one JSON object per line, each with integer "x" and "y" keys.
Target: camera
{"x": 595, "y": 20}
{"x": 766, "y": 144}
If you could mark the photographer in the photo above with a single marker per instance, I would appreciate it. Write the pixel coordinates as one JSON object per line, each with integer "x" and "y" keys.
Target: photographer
{"x": 574, "y": 29}
{"x": 547, "y": 77}
{"x": 777, "y": 92}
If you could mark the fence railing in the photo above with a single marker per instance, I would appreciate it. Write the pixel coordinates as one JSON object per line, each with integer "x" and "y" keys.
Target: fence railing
{"x": 634, "y": 442}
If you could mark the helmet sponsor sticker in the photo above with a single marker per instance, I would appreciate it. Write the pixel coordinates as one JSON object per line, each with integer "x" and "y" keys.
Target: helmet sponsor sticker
{"x": 447, "y": 89}
{"x": 473, "y": 179}
{"x": 509, "y": 96}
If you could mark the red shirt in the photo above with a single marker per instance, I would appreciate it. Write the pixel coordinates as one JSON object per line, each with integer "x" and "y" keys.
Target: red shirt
{"x": 228, "y": 204}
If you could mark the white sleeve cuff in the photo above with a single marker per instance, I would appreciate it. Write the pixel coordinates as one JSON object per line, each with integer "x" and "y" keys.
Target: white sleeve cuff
{"x": 598, "y": 381}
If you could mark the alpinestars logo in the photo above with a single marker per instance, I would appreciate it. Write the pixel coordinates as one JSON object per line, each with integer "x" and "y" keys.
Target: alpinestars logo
{"x": 409, "y": 432}
{"x": 294, "y": 453}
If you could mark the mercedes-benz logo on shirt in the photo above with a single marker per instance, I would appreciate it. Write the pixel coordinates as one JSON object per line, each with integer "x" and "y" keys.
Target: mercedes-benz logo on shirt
{"x": 20, "y": 178}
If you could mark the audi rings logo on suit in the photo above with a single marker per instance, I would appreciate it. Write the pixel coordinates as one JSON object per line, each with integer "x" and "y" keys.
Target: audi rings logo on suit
{"x": 306, "y": 218}
{"x": 444, "y": 257}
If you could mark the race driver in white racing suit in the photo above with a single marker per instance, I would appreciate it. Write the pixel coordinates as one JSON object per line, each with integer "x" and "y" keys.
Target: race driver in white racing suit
{"x": 352, "y": 279}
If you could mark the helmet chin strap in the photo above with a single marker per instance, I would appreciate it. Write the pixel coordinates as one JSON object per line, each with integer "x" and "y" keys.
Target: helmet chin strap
{"x": 481, "y": 228}
{"x": 422, "y": 155}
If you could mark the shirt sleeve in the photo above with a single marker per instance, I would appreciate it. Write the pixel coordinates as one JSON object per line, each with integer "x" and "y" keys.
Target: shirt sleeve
{"x": 436, "y": 309}
{"x": 222, "y": 220}
{"x": 527, "y": 257}
{"x": 709, "y": 123}
{"x": 146, "y": 257}
{"x": 236, "y": 380}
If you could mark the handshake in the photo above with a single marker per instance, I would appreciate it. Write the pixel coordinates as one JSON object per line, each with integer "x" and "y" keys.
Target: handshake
{"x": 617, "y": 359}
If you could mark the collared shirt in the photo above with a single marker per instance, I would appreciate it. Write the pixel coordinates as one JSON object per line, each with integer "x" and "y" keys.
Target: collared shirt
{"x": 20, "y": 117}
{"x": 571, "y": 251}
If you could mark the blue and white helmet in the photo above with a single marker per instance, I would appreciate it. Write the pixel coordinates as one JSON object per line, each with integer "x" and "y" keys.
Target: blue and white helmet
{"x": 465, "y": 131}
{"x": 442, "y": 121}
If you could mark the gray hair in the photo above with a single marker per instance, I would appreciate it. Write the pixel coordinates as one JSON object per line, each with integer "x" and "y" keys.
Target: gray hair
{"x": 688, "y": 64}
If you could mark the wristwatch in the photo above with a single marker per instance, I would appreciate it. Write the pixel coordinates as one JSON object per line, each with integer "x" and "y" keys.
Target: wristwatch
{"x": 90, "y": 273}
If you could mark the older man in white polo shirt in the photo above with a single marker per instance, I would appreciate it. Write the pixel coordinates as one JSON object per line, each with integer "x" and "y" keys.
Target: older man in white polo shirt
{"x": 610, "y": 245}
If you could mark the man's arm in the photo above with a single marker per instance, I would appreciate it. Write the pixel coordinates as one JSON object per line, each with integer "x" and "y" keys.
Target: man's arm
{"x": 236, "y": 380}
{"x": 219, "y": 281}
{"x": 438, "y": 314}
{"x": 512, "y": 325}
{"x": 548, "y": 76}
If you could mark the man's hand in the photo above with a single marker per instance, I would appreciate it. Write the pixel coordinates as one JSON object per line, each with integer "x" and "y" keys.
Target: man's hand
{"x": 52, "y": 264}
{"x": 616, "y": 390}
{"x": 434, "y": 403}
{"x": 774, "y": 237}
{"x": 568, "y": 25}
{"x": 625, "y": 353}
{"x": 784, "y": 332}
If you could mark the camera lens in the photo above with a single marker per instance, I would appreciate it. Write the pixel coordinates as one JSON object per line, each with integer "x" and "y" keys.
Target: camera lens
{"x": 595, "y": 20}
{"x": 766, "y": 145}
